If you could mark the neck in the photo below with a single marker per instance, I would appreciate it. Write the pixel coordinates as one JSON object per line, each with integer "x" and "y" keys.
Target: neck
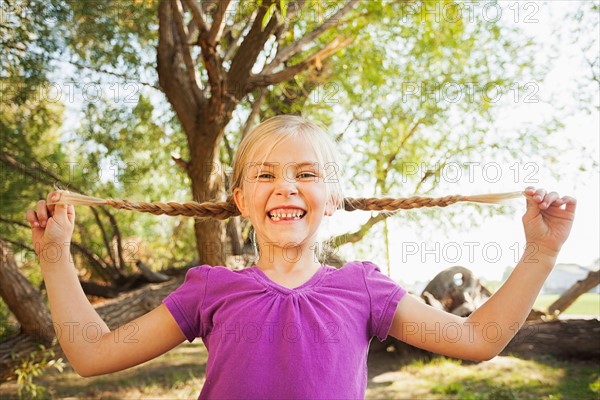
{"x": 288, "y": 259}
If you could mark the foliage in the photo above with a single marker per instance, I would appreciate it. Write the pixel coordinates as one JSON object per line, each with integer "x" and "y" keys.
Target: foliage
{"x": 121, "y": 142}
{"x": 33, "y": 366}
{"x": 373, "y": 95}
{"x": 116, "y": 36}
{"x": 30, "y": 36}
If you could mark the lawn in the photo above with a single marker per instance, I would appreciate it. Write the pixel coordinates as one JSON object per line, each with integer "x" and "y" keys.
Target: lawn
{"x": 180, "y": 375}
{"x": 586, "y": 304}
{"x": 501, "y": 378}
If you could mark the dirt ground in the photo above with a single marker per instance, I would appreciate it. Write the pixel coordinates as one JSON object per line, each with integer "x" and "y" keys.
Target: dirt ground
{"x": 180, "y": 373}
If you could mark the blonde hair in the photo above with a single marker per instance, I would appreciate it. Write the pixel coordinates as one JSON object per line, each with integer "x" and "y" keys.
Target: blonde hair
{"x": 275, "y": 130}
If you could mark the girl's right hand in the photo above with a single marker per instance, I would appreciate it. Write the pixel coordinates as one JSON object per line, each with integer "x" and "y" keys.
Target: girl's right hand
{"x": 51, "y": 223}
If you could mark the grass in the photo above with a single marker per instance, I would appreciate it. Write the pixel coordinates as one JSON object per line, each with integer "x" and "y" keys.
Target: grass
{"x": 502, "y": 378}
{"x": 586, "y": 304}
{"x": 179, "y": 374}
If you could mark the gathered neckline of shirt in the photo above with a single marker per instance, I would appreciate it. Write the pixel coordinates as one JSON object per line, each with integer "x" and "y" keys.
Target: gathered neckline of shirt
{"x": 309, "y": 284}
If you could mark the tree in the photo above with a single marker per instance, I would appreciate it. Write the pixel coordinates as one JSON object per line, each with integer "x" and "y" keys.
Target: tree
{"x": 22, "y": 299}
{"x": 434, "y": 85}
{"x": 206, "y": 67}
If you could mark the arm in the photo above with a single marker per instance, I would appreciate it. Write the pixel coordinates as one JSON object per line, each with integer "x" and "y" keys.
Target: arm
{"x": 91, "y": 347}
{"x": 488, "y": 330}
{"x": 88, "y": 343}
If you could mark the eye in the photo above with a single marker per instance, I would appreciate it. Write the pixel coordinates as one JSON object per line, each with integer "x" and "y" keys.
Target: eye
{"x": 307, "y": 175}
{"x": 264, "y": 175}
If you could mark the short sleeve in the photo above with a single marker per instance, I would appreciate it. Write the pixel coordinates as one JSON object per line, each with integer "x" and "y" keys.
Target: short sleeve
{"x": 384, "y": 294}
{"x": 185, "y": 302}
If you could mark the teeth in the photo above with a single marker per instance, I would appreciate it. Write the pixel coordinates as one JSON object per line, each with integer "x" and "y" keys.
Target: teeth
{"x": 295, "y": 215}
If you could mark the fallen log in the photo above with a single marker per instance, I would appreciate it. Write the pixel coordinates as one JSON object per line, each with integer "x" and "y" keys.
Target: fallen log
{"x": 114, "y": 312}
{"x": 562, "y": 339}
{"x": 457, "y": 291}
{"x": 570, "y": 338}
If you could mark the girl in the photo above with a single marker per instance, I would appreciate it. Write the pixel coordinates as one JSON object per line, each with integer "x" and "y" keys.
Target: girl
{"x": 289, "y": 326}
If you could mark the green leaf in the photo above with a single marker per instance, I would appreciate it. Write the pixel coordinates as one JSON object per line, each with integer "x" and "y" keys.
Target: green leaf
{"x": 267, "y": 16}
{"x": 283, "y": 8}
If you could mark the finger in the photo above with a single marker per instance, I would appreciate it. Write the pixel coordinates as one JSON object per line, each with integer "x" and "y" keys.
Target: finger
{"x": 549, "y": 199}
{"x": 529, "y": 193}
{"x": 31, "y": 217}
{"x": 71, "y": 213}
{"x": 42, "y": 213}
{"x": 557, "y": 203}
{"x": 539, "y": 195}
{"x": 532, "y": 208}
{"x": 52, "y": 198}
{"x": 60, "y": 212}
{"x": 571, "y": 203}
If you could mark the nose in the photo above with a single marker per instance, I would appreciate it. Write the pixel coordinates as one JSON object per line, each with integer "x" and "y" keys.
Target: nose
{"x": 286, "y": 188}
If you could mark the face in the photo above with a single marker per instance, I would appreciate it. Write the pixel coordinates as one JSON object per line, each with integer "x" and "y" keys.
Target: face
{"x": 286, "y": 199}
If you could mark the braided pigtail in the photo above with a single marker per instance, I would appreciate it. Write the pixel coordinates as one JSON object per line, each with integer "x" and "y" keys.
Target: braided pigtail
{"x": 227, "y": 208}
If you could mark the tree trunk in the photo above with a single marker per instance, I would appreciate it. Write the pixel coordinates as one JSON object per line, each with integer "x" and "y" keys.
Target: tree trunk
{"x": 234, "y": 234}
{"x": 580, "y": 287}
{"x": 206, "y": 175}
{"x": 205, "y": 102}
{"x": 21, "y": 297}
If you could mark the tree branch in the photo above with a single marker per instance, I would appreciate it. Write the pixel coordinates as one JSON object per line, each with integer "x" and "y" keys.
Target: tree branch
{"x": 313, "y": 60}
{"x": 216, "y": 29}
{"x": 255, "y": 110}
{"x": 185, "y": 165}
{"x": 228, "y": 149}
{"x": 297, "y": 46}
{"x": 175, "y": 87}
{"x": 192, "y": 31}
{"x": 248, "y": 51}
{"x": 105, "y": 238}
{"x": 52, "y": 180}
{"x": 13, "y": 222}
{"x": 95, "y": 262}
{"x": 49, "y": 177}
{"x": 190, "y": 68}
{"x": 18, "y": 244}
{"x": 213, "y": 65}
{"x": 197, "y": 15}
{"x": 361, "y": 232}
{"x": 102, "y": 71}
{"x": 392, "y": 157}
{"x": 235, "y": 43}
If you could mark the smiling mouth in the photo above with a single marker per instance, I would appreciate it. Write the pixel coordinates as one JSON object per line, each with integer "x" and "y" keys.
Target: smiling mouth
{"x": 292, "y": 215}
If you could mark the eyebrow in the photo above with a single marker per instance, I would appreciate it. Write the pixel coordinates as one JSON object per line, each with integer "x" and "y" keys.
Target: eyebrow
{"x": 300, "y": 164}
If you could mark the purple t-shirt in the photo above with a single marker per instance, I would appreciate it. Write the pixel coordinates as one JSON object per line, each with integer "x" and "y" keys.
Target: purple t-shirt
{"x": 266, "y": 341}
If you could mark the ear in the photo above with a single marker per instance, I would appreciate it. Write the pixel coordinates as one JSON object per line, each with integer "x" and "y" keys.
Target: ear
{"x": 240, "y": 201}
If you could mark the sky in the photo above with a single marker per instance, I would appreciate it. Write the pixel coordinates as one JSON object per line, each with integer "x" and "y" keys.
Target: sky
{"x": 417, "y": 255}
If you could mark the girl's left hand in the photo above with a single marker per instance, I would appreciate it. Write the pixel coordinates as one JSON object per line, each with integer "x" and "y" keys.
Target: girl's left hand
{"x": 547, "y": 224}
